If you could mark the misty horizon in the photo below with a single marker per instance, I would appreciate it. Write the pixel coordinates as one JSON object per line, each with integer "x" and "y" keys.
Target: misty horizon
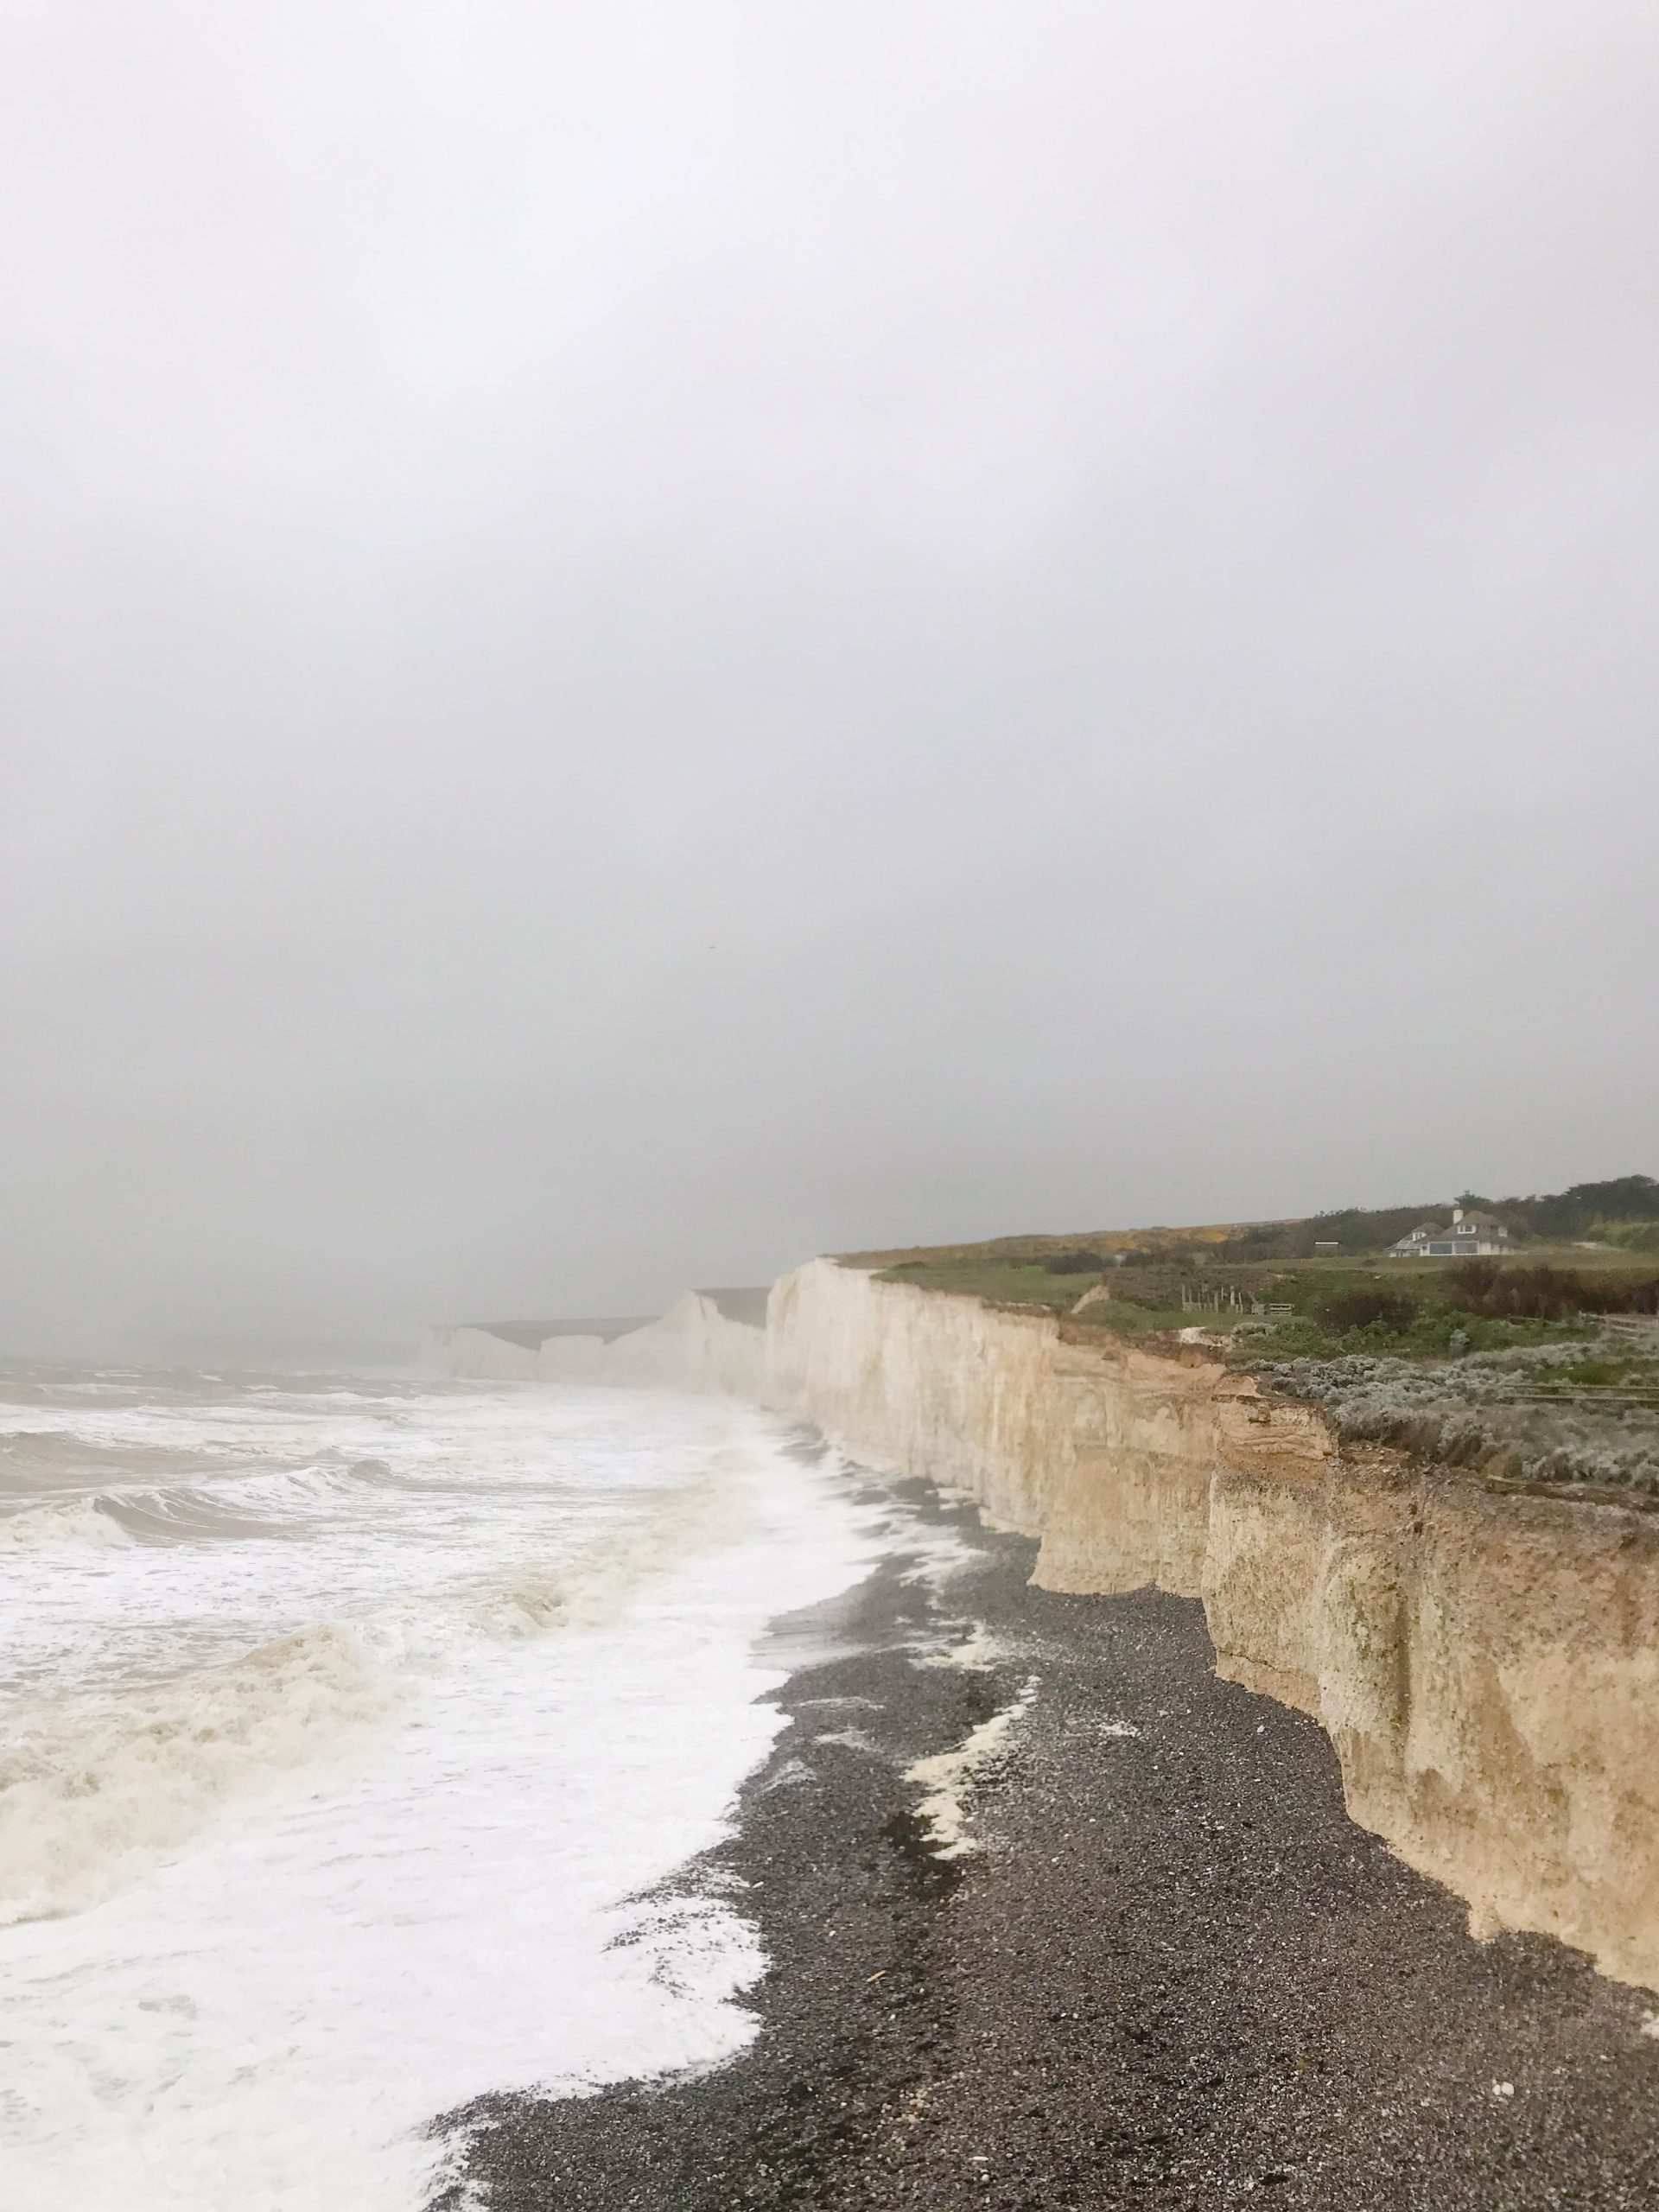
{"x": 300, "y": 1354}
{"x": 643, "y": 644}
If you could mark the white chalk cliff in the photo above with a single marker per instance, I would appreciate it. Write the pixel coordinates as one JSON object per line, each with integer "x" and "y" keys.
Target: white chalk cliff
{"x": 1486, "y": 1663}
{"x": 711, "y": 1340}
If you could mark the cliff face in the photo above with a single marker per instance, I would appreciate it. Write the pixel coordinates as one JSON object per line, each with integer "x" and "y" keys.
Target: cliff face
{"x": 1486, "y": 1665}
{"x": 707, "y": 1340}
{"x": 464, "y": 1349}
{"x": 698, "y": 1344}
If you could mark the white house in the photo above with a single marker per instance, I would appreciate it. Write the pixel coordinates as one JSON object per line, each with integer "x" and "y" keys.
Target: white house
{"x": 1472, "y": 1235}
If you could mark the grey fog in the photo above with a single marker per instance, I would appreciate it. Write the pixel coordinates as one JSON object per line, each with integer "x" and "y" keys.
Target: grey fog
{"x": 640, "y": 640}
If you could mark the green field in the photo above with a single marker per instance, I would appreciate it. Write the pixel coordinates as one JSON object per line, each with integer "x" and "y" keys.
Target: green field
{"x": 1222, "y": 1299}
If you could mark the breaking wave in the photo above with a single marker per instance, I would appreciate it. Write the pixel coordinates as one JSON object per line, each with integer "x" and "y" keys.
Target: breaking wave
{"x": 81, "y": 1521}
{"x": 93, "y": 1789}
{"x": 96, "y": 1787}
{"x": 52, "y": 1458}
{"x": 314, "y": 1839}
{"x": 285, "y": 1502}
{"x": 590, "y": 1590}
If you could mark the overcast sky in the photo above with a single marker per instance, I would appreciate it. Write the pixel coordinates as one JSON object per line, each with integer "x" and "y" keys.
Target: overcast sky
{"x": 641, "y": 636}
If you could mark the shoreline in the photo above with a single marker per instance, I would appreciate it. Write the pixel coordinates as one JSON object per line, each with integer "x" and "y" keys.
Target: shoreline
{"x": 1168, "y": 1967}
{"x": 1482, "y": 1656}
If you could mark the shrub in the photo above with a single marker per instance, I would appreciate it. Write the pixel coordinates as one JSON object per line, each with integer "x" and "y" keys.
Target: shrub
{"x": 1364, "y": 1309}
{"x": 1494, "y": 1293}
{"x": 1630, "y": 1235}
{"x": 1074, "y": 1263}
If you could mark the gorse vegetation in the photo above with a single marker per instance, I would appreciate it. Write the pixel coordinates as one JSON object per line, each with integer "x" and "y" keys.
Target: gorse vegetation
{"x": 1074, "y": 1263}
{"x": 1489, "y": 1290}
{"x": 1369, "y": 1309}
{"x": 1630, "y": 1235}
{"x": 1494, "y": 1292}
{"x": 1413, "y": 1306}
{"x": 1583, "y": 1210}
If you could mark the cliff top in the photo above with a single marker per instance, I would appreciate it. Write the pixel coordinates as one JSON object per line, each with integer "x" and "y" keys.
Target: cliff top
{"x": 1544, "y": 1365}
{"x": 1615, "y": 1216}
{"x": 531, "y": 1334}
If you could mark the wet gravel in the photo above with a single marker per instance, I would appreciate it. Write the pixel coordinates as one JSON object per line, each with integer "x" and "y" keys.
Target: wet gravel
{"x": 1173, "y": 1973}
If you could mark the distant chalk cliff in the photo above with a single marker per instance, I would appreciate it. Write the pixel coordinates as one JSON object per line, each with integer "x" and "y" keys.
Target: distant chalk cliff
{"x": 707, "y": 1340}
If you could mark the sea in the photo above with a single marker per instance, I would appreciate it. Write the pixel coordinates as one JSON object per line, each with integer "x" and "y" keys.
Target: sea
{"x": 353, "y": 1730}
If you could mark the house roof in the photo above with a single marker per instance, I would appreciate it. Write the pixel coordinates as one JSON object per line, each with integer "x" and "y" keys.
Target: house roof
{"x": 1472, "y": 1224}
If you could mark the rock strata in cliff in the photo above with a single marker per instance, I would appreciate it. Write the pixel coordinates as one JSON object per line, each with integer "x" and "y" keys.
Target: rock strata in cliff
{"x": 1486, "y": 1663}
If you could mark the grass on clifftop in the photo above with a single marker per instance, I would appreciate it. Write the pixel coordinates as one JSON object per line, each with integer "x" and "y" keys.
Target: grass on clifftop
{"x": 1427, "y": 1309}
{"x": 1620, "y": 1216}
{"x": 1463, "y": 1363}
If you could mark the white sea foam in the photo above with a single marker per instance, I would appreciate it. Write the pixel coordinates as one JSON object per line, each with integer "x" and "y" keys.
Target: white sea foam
{"x": 947, "y": 1779}
{"x": 591, "y": 1588}
{"x": 305, "y": 1842}
{"x": 977, "y": 1652}
{"x": 95, "y": 1788}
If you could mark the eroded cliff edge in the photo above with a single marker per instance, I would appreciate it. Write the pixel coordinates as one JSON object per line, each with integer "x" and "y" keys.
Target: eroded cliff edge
{"x": 1485, "y": 1662}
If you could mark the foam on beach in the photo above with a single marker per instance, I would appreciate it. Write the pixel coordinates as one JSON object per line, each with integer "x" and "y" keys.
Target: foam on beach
{"x": 947, "y": 1779}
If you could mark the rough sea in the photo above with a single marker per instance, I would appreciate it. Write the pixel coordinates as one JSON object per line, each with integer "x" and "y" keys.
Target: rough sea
{"x": 352, "y": 1730}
